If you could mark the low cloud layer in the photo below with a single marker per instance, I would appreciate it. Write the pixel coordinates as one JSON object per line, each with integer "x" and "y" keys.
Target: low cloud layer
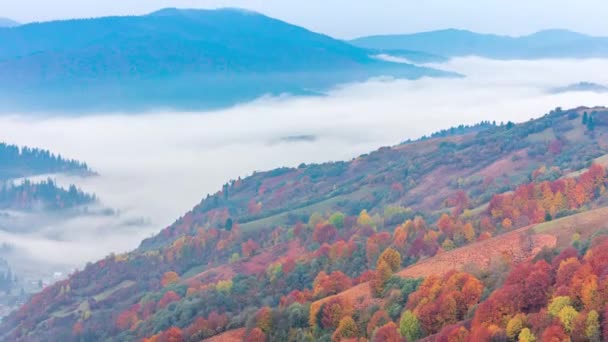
{"x": 158, "y": 166}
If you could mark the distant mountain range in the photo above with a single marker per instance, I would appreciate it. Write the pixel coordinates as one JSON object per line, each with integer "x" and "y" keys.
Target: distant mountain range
{"x": 207, "y": 59}
{"x": 187, "y": 59}
{"x": 455, "y": 43}
{"x": 6, "y": 22}
{"x": 581, "y": 86}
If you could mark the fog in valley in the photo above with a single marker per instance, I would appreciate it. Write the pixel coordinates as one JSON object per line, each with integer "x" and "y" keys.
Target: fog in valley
{"x": 153, "y": 167}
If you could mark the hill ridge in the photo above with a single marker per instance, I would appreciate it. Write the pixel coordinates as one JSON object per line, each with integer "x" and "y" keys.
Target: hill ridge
{"x": 551, "y": 43}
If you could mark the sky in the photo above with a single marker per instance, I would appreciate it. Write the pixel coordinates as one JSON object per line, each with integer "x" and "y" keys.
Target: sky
{"x": 350, "y": 19}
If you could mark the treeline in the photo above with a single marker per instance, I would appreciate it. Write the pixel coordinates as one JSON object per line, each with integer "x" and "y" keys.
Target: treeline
{"x": 18, "y": 161}
{"x": 43, "y": 195}
{"x": 461, "y": 130}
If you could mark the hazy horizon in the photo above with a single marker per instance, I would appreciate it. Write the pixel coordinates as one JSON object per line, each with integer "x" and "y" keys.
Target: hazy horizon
{"x": 359, "y": 19}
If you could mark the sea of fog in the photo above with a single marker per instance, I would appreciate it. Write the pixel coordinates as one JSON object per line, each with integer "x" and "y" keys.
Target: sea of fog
{"x": 154, "y": 167}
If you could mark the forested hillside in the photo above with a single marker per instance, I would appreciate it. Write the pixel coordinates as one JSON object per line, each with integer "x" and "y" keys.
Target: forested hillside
{"x": 45, "y": 195}
{"x": 25, "y": 195}
{"x": 17, "y": 162}
{"x": 490, "y": 232}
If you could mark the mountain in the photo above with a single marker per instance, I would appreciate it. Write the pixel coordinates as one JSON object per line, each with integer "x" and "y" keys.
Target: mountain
{"x": 581, "y": 86}
{"x": 183, "y": 59}
{"x": 5, "y": 22}
{"x": 457, "y": 234}
{"x": 458, "y": 43}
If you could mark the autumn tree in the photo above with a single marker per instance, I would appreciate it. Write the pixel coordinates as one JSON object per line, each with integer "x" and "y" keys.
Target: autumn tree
{"x": 567, "y": 315}
{"x": 127, "y": 319}
{"x": 255, "y": 335}
{"x": 168, "y": 298}
{"x": 382, "y": 275}
{"x": 386, "y": 333}
{"x": 199, "y": 329}
{"x": 337, "y": 220}
{"x": 364, "y": 219}
{"x": 347, "y": 328}
{"x": 445, "y": 300}
{"x": 173, "y": 334}
{"x": 515, "y": 325}
{"x": 557, "y": 304}
{"x": 333, "y": 311}
{"x": 325, "y": 285}
{"x": 592, "y": 326}
{"x": 169, "y": 278}
{"x": 446, "y": 225}
{"x": 538, "y": 202}
{"x": 400, "y": 237}
{"x": 453, "y": 333}
{"x": 554, "y": 333}
{"x": 263, "y": 319}
{"x": 249, "y": 248}
{"x": 409, "y": 326}
{"x": 379, "y": 318}
{"x": 392, "y": 259}
{"x": 314, "y": 220}
{"x": 324, "y": 233}
{"x": 526, "y": 336}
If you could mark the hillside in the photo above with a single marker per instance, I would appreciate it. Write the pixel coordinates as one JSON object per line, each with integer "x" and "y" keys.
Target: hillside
{"x": 173, "y": 58}
{"x": 458, "y": 43}
{"x": 19, "y": 162}
{"x": 19, "y": 193}
{"x": 339, "y": 250}
{"x": 41, "y": 196}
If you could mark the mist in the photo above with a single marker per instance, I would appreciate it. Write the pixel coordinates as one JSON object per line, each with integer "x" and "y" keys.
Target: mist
{"x": 154, "y": 167}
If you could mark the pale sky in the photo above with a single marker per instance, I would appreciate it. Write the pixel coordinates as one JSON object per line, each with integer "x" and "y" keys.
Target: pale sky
{"x": 352, "y": 18}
